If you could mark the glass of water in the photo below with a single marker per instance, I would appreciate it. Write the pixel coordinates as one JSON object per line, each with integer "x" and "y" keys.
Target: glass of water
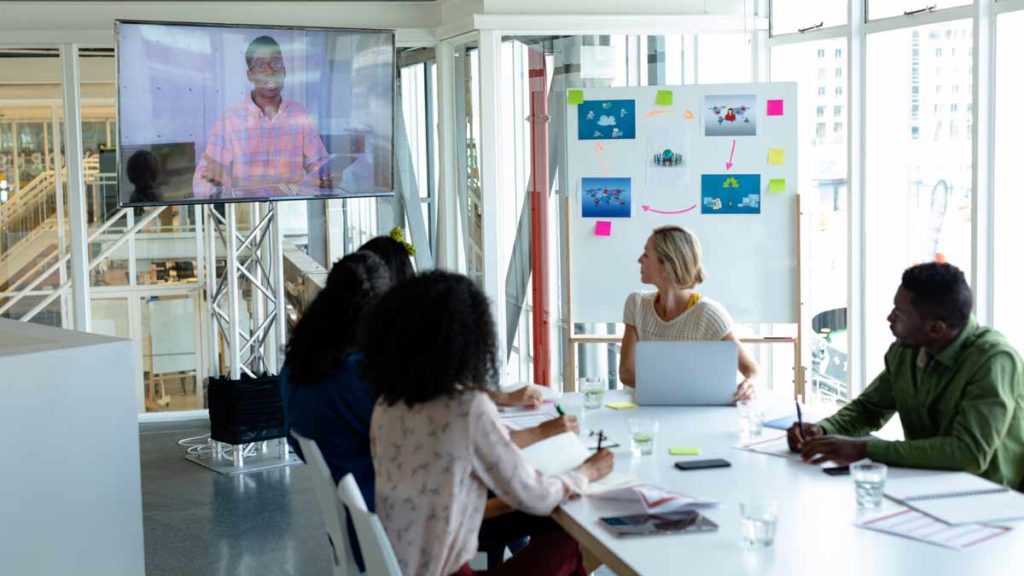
{"x": 751, "y": 418}
{"x": 593, "y": 390}
{"x": 869, "y": 481}
{"x": 759, "y": 518}
{"x": 642, "y": 435}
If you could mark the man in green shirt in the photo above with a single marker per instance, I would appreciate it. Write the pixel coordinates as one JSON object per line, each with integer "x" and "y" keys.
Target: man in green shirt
{"x": 957, "y": 386}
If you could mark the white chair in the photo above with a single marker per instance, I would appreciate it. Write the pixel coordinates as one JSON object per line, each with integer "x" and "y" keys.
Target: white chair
{"x": 378, "y": 555}
{"x": 334, "y": 512}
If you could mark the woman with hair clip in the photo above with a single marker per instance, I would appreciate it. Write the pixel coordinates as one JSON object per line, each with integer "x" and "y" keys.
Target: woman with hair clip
{"x": 676, "y": 311}
{"x": 437, "y": 441}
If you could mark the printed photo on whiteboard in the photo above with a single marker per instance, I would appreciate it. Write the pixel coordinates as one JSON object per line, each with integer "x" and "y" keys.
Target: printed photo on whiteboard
{"x": 731, "y": 115}
{"x": 730, "y": 194}
{"x": 606, "y": 197}
{"x": 607, "y": 120}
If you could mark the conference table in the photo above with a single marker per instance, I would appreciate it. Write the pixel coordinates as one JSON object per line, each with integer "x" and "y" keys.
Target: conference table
{"x": 816, "y": 532}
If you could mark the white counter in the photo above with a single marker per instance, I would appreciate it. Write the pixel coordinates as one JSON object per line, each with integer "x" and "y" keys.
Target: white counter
{"x": 70, "y": 487}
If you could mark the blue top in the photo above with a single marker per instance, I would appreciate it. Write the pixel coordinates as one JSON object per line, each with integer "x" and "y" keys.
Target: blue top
{"x": 336, "y": 414}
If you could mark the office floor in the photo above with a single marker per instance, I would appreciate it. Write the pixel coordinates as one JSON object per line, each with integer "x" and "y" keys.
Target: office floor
{"x": 200, "y": 523}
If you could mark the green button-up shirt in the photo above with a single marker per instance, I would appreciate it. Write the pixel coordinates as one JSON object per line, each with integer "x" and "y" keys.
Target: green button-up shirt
{"x": 960, "y": 410}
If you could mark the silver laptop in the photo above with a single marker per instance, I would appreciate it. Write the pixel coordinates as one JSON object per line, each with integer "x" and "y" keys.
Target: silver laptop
{"x": 686, "y": 373}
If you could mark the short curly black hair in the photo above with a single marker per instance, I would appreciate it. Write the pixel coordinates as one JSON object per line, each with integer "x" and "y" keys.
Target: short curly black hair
{"x": 329, "y": 328}
{"x": 394, "y": 255}
{"x": 940, "y": 293}
{"x": 430, "y": 336}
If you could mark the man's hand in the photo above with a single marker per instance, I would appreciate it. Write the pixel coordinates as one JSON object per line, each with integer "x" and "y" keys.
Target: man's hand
{"x": 215, "y": 173}
{"x": 797, "y": 438}
{"x": 527, "y": 397}
{"x": 745, "y": 391}
{"x": 598, "y": 466}
{"x": 839, "y": 449}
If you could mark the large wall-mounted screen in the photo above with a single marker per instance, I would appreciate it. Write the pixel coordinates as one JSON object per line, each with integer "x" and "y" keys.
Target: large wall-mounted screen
{"x": 217, "y": 113}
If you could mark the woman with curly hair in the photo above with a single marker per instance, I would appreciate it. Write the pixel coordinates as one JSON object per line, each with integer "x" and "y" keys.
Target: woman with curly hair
{"x": 437, "y": 441}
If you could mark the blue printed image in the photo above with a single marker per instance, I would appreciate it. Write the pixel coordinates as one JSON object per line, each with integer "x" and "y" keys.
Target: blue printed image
{"x": 607, "y": 120}
{"x": 730, "y": 194}
{"x": 605, "y": 197}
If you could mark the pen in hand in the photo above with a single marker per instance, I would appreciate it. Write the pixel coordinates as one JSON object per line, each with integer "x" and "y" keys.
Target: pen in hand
{"x": 558, "y": 407}
{"x": 600, "y": 438}
{"x": 799, "y": 422}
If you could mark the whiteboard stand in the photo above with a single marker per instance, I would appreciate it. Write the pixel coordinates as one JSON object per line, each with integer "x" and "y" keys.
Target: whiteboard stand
{"x": 570, "y": 378}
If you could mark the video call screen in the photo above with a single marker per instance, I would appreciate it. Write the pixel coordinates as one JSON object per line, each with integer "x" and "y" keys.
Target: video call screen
{"x": 213, "y": 113}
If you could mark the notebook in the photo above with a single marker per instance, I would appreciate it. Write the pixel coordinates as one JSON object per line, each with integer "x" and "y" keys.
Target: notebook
{"x": 958, "y": 497}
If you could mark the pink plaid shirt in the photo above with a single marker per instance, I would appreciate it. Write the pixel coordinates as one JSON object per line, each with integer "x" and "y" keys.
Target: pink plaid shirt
{"x": 258, "y": 151}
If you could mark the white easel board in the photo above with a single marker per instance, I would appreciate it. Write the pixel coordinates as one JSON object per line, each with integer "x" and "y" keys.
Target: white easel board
{"x": 723, "y": 153}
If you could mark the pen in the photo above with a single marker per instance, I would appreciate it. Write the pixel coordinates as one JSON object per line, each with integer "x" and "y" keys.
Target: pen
{"x": 558, "y": 407}
{"x": 799, "y": 422}
{"x": 600, "y": 437}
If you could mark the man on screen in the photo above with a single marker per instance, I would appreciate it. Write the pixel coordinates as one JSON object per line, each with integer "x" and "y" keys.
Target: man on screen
{"x": 264, "y": 140}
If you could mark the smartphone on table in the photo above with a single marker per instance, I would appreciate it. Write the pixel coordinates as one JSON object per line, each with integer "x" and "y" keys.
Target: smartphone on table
{"x": 702, "y": 464}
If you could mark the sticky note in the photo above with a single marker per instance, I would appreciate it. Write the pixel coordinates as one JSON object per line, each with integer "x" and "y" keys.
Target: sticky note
{"x": 575, "y": 97}
{"x": 603, "y": 228}
{"x": 620, "y": 405}
{"x": 684, "y": 451}
{"x": 777, "y": 185}
{"x": 775, "y": 107}
{"x": 776, "y": 156}
{"x": 664, "y": 98}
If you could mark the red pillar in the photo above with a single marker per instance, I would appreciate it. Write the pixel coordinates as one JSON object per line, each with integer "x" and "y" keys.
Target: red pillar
{"x": 539, "y": 215}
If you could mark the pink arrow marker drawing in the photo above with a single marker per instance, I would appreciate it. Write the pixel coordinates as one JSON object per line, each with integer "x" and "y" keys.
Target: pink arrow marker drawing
{"x": 649, "y": 209}
{"x": 728, "y": 165}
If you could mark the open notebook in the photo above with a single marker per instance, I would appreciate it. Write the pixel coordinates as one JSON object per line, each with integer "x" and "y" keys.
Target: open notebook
{"x": 559, "y": 454}
{"x": 958, "y": 497}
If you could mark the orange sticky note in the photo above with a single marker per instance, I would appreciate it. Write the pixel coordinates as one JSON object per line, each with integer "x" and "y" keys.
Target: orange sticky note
{"x": 603, "y": 228}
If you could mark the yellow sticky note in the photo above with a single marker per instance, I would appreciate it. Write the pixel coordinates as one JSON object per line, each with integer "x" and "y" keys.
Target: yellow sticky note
{"x": 620, "y": 405}
{"x": 777, "y": 185}
{"x": 684, "y": 451}
{"x": 575, "y": 97}
{"x": 664, "y": 98}
{"x": 776, "y": 156}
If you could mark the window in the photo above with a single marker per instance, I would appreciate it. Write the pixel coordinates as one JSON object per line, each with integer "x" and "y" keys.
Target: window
{"x": 837, "y": 111}
{"x": 887, "y": 8}
{"x": 938, "y": 52}
{"x": 952, "y": 107}
{"x": 821, "y": 73}
{"x": 839, "y": 53}
{"x": 918, "y": 190}
{"x": 789, "y": 16}
{"x": 821, "y": 53}
{"x": 823, "y": 185}
{"x": 1008, "y": 307}
{"x": 821, "y": 90}
{"x": 715, "y": 49}
{"x": 839, "y": 90}
{"x": 839, "y": 72}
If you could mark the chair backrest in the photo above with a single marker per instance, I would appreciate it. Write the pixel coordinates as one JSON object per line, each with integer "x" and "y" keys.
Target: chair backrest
{"x": 378, "y": 555}
{"x": 334, "y": 512}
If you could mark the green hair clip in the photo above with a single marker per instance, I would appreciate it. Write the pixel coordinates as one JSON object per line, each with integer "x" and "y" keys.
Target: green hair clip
{"x": 398, "y": 235}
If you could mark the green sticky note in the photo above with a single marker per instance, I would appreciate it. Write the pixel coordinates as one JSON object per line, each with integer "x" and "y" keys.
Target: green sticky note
{"x": 664, "y": 98}
{"x": 684, "y": 451}
{"x": 620, "y": 405}
{"x": 777, "y": 185}
{"x": 776, "y": 156}
{"x": 575, "y": 97}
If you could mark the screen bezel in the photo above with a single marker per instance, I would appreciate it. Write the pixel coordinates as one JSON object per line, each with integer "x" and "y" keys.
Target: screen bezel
{"x": 204, "y": 201}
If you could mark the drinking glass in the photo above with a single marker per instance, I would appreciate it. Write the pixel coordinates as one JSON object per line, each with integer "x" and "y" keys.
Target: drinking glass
{"x": 758, "y": 524}
{"x": 751, "y": 418}
{"x": 869, "y": 482}
{"x": 593, "y": 390}
{"x": 642, "y": 435}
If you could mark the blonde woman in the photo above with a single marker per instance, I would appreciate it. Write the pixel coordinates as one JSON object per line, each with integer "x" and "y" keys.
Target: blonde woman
{"x": 676, "y": 311}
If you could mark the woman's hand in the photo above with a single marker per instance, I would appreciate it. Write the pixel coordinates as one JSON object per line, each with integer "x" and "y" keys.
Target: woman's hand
{"x": 598, "y": 466}
{"x": 745, "y": 391}
{"x": 557, "y": 426}
{"x": 527, "y": 397}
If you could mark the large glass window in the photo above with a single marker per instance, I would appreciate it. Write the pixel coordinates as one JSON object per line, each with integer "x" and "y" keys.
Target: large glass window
{"x": 823, "y": 190}
{"x": 886, "y": 8}
{"x": 794, "y": 15}
{"x": 918, "y": 187}
{"x": 1008, "y": 307}
{"x": 724, "y": 58}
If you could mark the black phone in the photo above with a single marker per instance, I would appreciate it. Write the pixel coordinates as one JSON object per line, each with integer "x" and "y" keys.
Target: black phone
{"x": 702, "y": 464}
{"x": 836, "y": 470}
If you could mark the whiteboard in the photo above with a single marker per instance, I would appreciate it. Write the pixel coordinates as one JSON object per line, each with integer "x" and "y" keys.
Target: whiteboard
{"x": 750, "y": 259}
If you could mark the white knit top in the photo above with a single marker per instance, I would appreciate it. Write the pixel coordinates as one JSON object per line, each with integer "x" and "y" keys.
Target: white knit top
{"x": 705, "y": 320}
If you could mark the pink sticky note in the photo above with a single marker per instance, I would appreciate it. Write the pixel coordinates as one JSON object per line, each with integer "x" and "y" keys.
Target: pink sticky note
{"x": 603, "y": 228}
{"x": 775, "y": 107}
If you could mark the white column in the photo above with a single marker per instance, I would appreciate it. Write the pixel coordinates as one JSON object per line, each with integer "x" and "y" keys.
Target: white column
{"x": 856, "y": 319}
{"x": 447, "y": 196}
{"x": 76, "y": 187}
{"x": 983, "y": 142}
{"x": 490, "y": 177}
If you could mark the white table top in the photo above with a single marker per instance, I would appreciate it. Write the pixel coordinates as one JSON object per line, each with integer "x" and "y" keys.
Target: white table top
{"x": 815, "y": 532}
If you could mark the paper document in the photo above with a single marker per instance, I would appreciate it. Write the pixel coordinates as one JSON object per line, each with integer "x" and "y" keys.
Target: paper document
{"x": 562, "y": 453}
{"x": 958, "y": 497}
{"x": 521, "y": 418}
{"x": 910, "y": 523}
{"x": 773, "y": 445}
{"x": 651, "y": 499}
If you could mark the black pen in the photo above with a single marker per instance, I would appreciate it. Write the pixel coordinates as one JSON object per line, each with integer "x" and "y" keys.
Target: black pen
{"x": 799, "y": 422}
{"x": 600, "y": 437}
